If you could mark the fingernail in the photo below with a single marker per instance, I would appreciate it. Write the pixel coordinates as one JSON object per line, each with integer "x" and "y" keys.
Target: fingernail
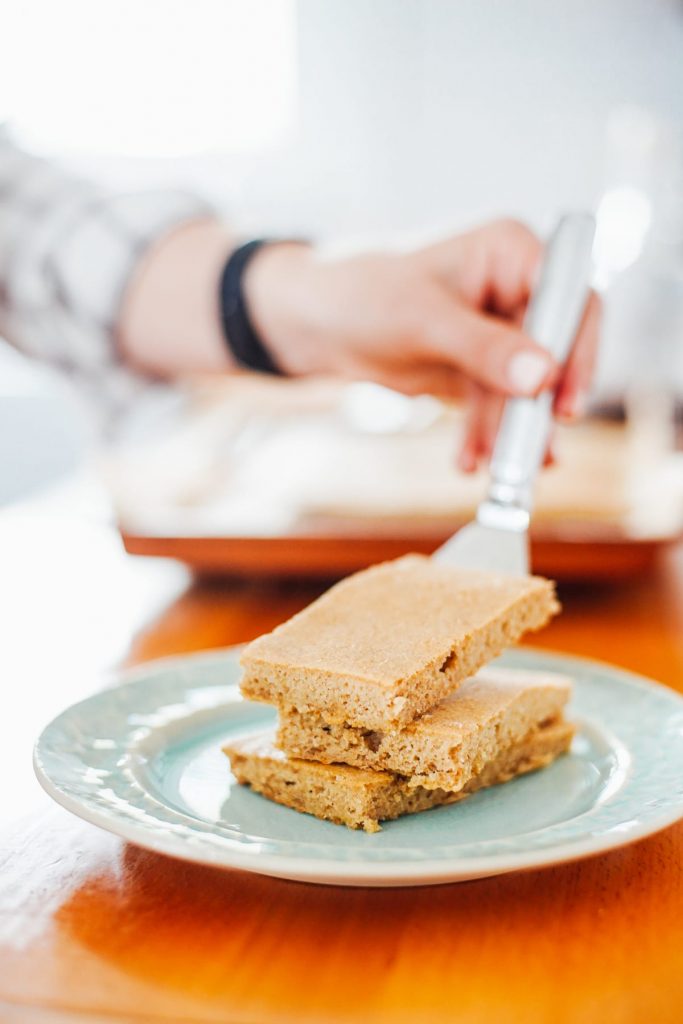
{"x": 574, "y": 408}
{"x": 466, "y": 461}
{"x": 579, "y": 404}
{"x": 526, "y": 371}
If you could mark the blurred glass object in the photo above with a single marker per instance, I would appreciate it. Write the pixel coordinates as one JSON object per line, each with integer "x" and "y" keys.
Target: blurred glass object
{"x": 161, "y": 78}
{"x": 639, "y": 257}
{"x": 624, "y": 215}
{"x": 639, "y": 269}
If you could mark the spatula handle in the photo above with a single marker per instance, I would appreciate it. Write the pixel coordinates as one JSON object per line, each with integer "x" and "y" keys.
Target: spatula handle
{"x": 552, "y": 320}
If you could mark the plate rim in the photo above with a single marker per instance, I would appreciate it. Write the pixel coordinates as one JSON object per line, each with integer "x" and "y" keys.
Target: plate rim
{"x": 355, "y": 873}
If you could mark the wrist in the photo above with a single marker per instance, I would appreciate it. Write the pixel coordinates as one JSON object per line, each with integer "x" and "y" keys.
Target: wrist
{"x": 278, "y": 288}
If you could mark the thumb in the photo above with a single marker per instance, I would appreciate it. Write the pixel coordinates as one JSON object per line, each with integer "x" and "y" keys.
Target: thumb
{"x": 497, "y": 355}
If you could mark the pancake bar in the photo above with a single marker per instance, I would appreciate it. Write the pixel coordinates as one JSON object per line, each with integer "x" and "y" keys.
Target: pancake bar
{"x": 448, "y": 745}
{"x": 361, "y": 798}
{"x": 386, "y": 644}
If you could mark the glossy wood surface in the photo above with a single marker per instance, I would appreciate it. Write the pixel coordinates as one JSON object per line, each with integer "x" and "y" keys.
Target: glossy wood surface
{"x": 92, "y": 929}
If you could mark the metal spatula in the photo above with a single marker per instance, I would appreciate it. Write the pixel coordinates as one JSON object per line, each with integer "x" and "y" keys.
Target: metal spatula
{"x": 498, "y": 537}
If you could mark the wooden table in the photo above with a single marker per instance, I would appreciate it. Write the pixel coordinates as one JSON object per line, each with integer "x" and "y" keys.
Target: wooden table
{"x": 93, "y": 929}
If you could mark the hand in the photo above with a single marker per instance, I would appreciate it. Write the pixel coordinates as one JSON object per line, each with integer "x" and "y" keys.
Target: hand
{"x": 443, "y": 320}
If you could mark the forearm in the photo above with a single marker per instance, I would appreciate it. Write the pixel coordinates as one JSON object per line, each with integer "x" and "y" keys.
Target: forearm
{"x": 169, "y": 322}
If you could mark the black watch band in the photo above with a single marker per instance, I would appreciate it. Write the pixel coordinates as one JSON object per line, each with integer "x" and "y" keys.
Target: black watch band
{"x": 240, "y": 334}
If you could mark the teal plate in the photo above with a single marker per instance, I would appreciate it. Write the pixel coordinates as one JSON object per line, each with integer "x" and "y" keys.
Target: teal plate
{"x": 143, "y": 760}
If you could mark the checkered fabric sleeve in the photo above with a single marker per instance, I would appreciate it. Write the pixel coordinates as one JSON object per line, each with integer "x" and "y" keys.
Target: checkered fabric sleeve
{"x": 67, "y": 249}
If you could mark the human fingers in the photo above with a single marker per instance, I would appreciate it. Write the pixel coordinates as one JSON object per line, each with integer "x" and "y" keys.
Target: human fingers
{"x": 493, "y": 267}
{"x": 574, "y": 383}
{"x": 484, "y": 414}
{"x": 483, "y": 419}
{"x": 494, "y": 354}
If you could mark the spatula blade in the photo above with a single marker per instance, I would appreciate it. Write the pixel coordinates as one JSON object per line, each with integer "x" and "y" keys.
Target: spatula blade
{"x": 481, "y": 545}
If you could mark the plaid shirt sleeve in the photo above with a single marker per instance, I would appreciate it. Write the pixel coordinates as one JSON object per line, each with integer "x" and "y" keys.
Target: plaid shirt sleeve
{"x": 67, "y": 250}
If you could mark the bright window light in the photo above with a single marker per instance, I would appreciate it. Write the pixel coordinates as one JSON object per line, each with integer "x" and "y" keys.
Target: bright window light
{"x": 149, "y": 77}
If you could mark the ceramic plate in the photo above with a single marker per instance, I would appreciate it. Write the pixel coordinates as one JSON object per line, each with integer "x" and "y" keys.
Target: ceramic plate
{"x": 143, "y": 760}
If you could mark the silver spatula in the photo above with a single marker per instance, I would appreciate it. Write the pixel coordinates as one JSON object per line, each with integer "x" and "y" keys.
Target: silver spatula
{"x": 498, "y": 537}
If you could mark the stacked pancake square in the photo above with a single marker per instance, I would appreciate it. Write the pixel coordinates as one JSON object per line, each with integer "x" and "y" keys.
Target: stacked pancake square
{"x": 385, "y": 704}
